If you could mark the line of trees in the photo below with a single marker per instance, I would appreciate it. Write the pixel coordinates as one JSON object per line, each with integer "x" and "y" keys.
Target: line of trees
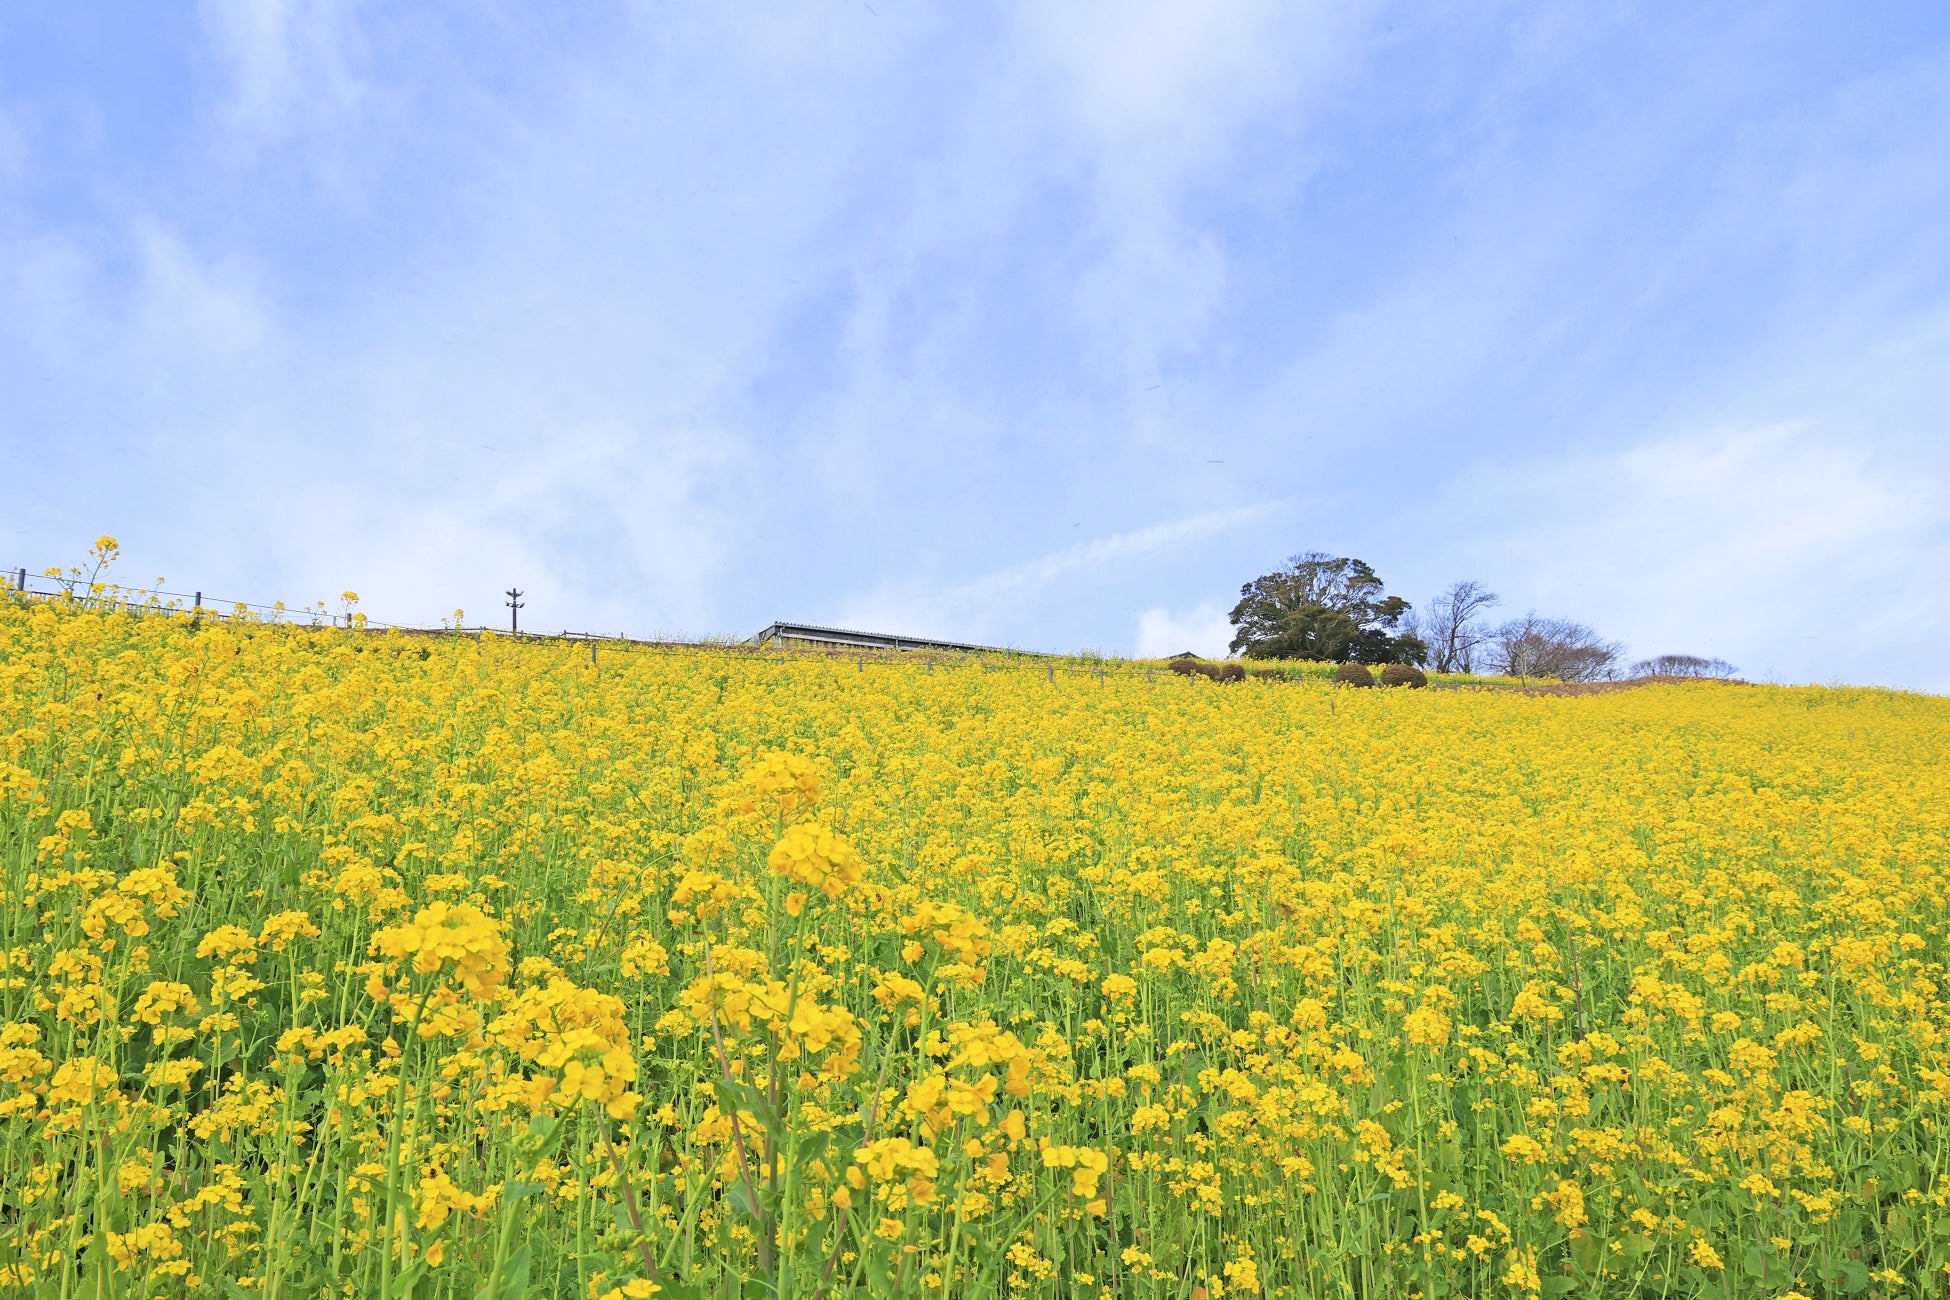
{"x": 1336, "y": 608}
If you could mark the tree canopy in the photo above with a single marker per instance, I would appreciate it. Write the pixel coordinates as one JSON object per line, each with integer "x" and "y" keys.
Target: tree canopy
{"x": 1320, "y": 606}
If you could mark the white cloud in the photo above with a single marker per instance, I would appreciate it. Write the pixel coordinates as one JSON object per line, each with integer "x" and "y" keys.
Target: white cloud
{"x": 982, "y": 603}
{"x": 1154, "y": 99}
{"x": 1204, "y": 631}
{"x": 286, "y": 60}
{"x": 187, "y": 306}
{"x": 1160, "y": 86}
{"x": 1046, "y": 569}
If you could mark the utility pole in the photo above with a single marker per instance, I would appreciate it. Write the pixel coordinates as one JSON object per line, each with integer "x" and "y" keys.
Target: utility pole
{"x": 515, "y": 606}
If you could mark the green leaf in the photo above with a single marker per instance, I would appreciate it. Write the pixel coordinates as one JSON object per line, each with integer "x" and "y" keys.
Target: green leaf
{"x": 99, "y": 1263}
{"x": 544, "y": 1131}
{"x": 510, "y": 1282}
{"x": 1557, "y": 1285}
{"x": 1585, "y": 1252}
{"x": 878, "y": 1282}
{"x": 813, "y": 1145}
{"x": 738, "y": 1093}
{"x": 1855, "y": 1276}
{"x": 740, "y": 1197}
{"x": 1753, "y": 1262}
{"x": 408, "y": 1279}
{"x": 735, "y": 1096}
{"x": 516, "y": 1285}
{"x": 515, "y": 1189}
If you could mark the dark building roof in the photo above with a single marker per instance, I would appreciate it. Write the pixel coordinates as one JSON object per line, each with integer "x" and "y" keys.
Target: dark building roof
{"x": 842, "y": 637}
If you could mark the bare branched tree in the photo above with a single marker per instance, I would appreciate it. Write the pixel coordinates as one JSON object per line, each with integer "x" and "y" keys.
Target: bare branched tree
{"x": 1553, "y": 647}
{"x": 1453, "y": 626}
{"x": 1682, "y": 666}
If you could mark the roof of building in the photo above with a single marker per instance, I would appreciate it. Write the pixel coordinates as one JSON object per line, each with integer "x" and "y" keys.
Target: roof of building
{"x": 839, "y": 636}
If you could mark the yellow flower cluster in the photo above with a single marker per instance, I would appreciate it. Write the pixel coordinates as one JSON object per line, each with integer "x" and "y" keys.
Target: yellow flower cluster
{"x": 1088, "y": 1166}
{"x": 579, "y": 1042}
{"x": 813, "y": 855}
{"x": 891, "y": 1159}
{"x": 444, "y": 937}
{"x": 715, "y": 972}
{"x": 781, "y": 783}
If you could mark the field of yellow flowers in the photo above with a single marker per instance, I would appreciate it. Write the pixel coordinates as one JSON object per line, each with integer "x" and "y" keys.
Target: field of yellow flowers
{"x": 338, "y": 962}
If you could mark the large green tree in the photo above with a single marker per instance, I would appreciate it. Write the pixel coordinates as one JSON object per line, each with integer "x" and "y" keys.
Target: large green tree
{"x": 1320, "y": 606}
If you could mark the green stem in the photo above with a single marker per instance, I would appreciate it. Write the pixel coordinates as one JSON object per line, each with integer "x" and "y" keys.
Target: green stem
{"x": 392, "y": 1153}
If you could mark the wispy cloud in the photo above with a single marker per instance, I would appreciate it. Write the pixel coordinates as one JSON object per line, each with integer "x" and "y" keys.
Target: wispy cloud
{"x": 191, "y": 309}
{"x": 982, "y": 603}
{"x": 1046, "y": 569}
{"x": 287, "y": 63}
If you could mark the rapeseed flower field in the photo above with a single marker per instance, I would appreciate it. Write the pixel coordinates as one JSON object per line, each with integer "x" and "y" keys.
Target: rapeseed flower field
{"x": 344, "y": 963}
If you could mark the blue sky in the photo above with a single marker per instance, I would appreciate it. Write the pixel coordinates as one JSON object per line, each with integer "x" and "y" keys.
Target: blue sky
{"x": 1041, "y": 324}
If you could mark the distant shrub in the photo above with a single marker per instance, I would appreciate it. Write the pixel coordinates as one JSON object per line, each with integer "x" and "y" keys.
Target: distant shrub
{"x": 1268, "y": 674}
{"x": 1403, "y": 675}
{"x": 1354, "y": 675}
{"x": 1186, "y": 666}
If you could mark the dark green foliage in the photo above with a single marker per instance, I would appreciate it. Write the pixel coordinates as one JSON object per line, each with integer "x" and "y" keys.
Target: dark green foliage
{"x": 1323, "y": 607}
